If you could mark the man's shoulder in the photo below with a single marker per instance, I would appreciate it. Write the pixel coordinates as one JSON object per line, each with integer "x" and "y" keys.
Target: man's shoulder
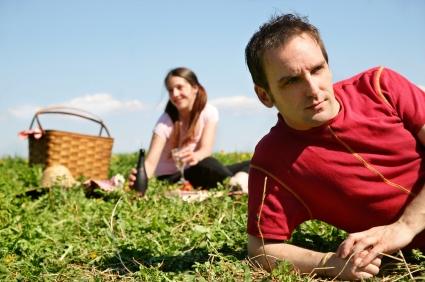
{"x": 275, "y": 138}
{"x": 366, "y": 76}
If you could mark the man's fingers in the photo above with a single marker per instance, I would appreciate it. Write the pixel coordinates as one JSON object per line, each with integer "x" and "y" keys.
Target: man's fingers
{"x": 377, "y": 261}
{"x": 341, "y": 251}
{"x": 368, "y": 271}
{"x": 344, "y": 250}
{"x": 364, "y": 256}
{"x": 371, "y": 244}
{"x": 373, "y": 254}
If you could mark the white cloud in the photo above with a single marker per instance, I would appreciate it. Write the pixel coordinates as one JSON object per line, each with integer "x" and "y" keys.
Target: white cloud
{"x": 25, "y": 110}
{"x": 422, "y": 87}
{"x": 104, "y": 103}
{"x": 101, "y": 103}
{"x": 238, "y": 105}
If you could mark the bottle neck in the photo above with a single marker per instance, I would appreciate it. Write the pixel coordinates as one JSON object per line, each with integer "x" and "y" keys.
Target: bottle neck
{"x": 141, "y": 160}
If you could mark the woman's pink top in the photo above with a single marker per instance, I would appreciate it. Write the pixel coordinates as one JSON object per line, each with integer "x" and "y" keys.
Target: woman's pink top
{"x": 163, "y": 129}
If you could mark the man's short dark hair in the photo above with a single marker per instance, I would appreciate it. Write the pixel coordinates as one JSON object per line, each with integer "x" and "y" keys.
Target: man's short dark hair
{"x": 277, "y": 32}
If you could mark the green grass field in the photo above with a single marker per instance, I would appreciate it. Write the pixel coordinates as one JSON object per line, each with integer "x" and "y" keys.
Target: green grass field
{"x": 60, "y": 234}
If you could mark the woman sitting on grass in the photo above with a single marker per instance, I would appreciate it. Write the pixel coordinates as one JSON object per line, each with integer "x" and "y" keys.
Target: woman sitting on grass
{"x": 189, "y": 123}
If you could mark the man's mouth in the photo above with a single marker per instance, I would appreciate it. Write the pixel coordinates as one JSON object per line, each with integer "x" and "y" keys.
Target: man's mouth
{"x": 315, "y": 106}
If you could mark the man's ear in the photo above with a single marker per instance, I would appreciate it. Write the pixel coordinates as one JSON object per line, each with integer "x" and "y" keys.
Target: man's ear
{"x": 263, "y": 96}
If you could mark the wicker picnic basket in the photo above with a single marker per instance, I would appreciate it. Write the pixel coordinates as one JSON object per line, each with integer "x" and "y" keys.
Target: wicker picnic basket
{"x": 84, "y": 155}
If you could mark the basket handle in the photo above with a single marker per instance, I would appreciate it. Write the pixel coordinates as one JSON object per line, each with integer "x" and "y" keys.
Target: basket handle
{"x": 67, "y": 111}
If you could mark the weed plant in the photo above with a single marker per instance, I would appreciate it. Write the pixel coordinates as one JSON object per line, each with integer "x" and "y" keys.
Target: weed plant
{"x": 60, "y": 234}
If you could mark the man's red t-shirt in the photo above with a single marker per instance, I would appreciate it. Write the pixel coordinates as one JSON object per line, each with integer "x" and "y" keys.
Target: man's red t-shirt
{"x": 357, "y": 171}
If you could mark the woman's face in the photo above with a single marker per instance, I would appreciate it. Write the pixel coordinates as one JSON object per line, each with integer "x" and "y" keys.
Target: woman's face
{"x": 182, "y": 95}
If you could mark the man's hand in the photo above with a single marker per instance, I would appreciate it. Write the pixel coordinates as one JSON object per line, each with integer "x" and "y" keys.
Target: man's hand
{"x": 385, "y": 239}
{"x": 347, "y": 269}
{"x": 307, "y": 261}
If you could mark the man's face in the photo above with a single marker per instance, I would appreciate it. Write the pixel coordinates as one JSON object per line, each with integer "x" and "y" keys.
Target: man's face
{"x": 300, "y": 84}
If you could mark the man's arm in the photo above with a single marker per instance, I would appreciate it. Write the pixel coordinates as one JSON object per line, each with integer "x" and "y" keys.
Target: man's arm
{"x": 389, "y": 238}
{"x": 307, "y": 261}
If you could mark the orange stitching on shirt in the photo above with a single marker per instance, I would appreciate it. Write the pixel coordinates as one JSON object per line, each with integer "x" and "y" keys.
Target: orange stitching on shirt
{"x": 285, "y": 186}
{"x": 378, "y": 85}
{"x": 369, "y": 166}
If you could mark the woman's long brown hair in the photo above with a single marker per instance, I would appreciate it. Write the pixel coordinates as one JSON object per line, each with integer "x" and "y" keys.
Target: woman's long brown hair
{"x": 198, "y": 106}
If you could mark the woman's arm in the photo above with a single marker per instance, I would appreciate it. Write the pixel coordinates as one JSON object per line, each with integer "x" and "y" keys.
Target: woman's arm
{"x": 154, "y": 153}
{"x": 205, "y": 147}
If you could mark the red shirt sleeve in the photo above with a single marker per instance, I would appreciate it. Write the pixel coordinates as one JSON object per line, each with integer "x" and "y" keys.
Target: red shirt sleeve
{"x": 407, "y": 99}
{"x": 281, "y": 212}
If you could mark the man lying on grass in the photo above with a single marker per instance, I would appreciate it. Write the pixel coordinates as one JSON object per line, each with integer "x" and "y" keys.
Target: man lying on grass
{"x": 349, "y": 154}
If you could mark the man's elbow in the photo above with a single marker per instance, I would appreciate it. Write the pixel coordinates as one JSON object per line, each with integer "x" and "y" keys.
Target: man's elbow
{"x": 257, "y": 254}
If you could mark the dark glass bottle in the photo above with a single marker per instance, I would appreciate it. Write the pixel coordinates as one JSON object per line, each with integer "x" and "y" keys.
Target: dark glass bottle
{"x": 141, "y": 183}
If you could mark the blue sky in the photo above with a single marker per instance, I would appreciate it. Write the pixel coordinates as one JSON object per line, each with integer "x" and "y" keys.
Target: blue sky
{"x": 110, "y": 58}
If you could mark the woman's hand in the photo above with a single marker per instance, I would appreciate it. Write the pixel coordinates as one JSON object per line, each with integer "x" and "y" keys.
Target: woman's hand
{"x": 132, "y": 178}
{"x": 189, "y": 156}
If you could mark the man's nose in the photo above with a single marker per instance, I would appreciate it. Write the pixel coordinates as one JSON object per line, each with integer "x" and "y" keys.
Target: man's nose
{"x": 312, "y": 87}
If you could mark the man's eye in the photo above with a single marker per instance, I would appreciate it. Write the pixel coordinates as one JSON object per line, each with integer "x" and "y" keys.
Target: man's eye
{"x": 291, "y": 80}
{"x": 316, "y": 70}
